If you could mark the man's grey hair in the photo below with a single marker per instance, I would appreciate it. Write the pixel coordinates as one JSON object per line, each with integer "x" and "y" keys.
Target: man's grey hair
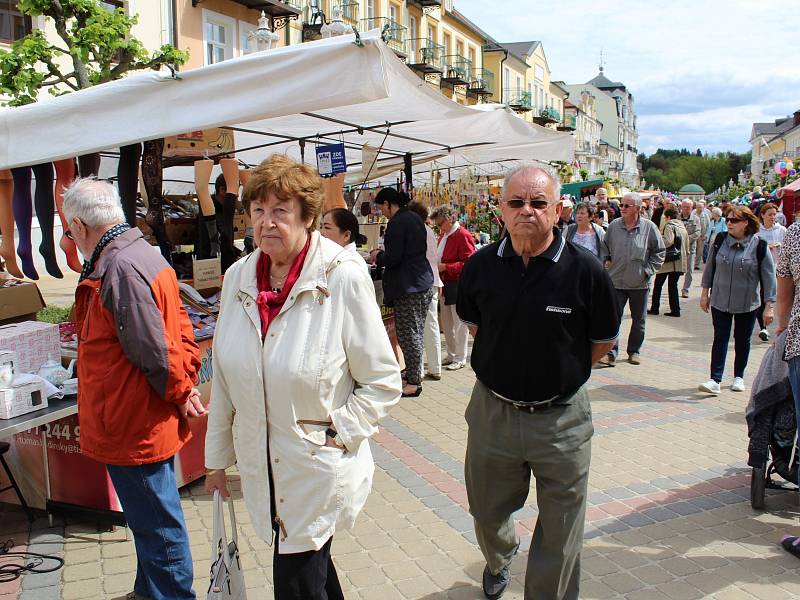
{"x": 94, "y": 202}
{"x": 551, "y": 174}
{"x": 716, "y": 211}
{"x": 633, "y": 197}
{"x": 446, "y": 212}
{"x": 601, "y": 189}
{"x": 687, "y": 201}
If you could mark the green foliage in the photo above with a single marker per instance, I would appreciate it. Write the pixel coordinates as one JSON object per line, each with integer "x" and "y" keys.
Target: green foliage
{"x": 672, "y": 169}
{"x": 54, "y": 314}
{"x": 95, "y": 47}
{"x": 584, "y": 174}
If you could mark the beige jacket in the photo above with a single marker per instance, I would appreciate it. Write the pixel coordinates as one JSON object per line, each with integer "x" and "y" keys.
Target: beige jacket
{"x": 326, "y": 357}
{"x": 672, "y": 227}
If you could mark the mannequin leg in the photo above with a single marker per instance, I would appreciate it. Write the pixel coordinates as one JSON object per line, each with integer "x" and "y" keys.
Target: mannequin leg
{"x": 45, "y": 212}
{"x": 249, "y": 242}
{"x": 230, "y": 169}
{"x": 128, "y": 179}
{"x": 153, "y": 178}
{"x": 65, "y": 175}
{"x": 89, "y": 164}
{"x": 23, "y": 215}
{"x": 202, "y": 175}
{"x": 7, "y": 252}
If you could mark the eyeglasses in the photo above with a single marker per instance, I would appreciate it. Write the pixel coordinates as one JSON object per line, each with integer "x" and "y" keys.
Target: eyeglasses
{"x": 626, "y": 205}
{"x": 735, "y": 220}
{"x": 517, "y": 203}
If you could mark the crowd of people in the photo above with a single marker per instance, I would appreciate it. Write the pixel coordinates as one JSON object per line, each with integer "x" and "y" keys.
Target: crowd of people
{"x": 304, "y": 368}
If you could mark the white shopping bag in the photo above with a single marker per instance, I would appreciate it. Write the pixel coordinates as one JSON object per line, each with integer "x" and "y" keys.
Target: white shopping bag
{"x": 227, "y": 578}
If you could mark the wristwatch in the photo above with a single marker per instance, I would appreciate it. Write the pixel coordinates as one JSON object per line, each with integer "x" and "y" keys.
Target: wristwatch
{"x": 331, "y": 433}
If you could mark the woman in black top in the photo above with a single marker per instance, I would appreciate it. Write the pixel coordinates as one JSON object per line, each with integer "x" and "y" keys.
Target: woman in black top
{"x": 407, "y": 280}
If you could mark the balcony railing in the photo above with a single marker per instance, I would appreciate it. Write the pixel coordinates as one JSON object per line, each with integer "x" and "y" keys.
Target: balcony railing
{"x": 457, "y": 69}
{"x": 350, "y": 13}
{"x": 481, "y": 82}
{"x": 518, "y": 99}
{"x": 424, "y": 55}
{"x": 392, "y": 32}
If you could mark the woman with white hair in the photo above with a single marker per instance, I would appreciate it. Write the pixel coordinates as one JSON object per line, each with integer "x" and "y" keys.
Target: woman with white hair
{"x": 717, "y": 225}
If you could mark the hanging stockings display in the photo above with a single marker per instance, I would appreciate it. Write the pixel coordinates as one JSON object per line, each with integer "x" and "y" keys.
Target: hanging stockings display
{"x": 23, "y": 215}
{"x": 202, "y": 175}
{"x": 65, "y": 175}
{"x": 153, "y": 178}
{"x": 230, "y": 170}
{"x": 128, "y": 179}
{"x": 7, "y": 251}
{"x": 45, "y": 211}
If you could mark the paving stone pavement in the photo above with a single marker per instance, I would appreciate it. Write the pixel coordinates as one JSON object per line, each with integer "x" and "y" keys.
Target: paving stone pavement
{"x": 668, "y": 517}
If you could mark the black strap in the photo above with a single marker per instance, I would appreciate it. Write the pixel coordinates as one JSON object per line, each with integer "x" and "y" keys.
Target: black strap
{"x": 761, "y": 252}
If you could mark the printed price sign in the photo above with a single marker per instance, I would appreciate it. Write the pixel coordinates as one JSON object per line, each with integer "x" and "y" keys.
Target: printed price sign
{"x": 331, "y": 160}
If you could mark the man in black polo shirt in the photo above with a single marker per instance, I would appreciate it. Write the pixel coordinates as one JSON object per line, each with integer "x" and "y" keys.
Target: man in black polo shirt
{"x": 542, "y": 312}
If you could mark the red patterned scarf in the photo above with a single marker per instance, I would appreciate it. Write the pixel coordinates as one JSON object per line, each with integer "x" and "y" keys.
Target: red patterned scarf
{"x": 270, "y": 303}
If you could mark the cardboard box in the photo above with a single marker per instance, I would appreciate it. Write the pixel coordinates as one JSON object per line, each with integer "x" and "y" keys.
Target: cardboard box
{"x": 33, "y": 341}
{"x": 22, "y": 399}
{"x": 207, "y": 273}
{"x": 20, "y": 302}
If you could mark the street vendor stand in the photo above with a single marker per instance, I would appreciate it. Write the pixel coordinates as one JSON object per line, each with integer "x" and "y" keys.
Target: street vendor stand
{"x": 349, "y": 90}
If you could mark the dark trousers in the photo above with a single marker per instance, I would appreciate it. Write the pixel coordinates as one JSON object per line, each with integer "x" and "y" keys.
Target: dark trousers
{"x": 305, "y": 575}
{"x": 409, "y": 324}
{"x": 672, "y": 292}
{"x": 760, "y": 312}
{"x": 152, "y": 507}
{"x": 638, "y": 302}
{"x": 742, "y": 330}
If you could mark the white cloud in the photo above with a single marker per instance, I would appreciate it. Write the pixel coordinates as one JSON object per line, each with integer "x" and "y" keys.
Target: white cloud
{"x": 701, "y": 71}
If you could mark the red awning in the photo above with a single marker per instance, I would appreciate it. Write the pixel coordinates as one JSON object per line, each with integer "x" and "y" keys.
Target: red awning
{"x": 788, "y": 192}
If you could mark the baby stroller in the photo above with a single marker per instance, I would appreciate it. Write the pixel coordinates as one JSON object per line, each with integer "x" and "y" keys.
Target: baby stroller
{"x": 771, "y": 426}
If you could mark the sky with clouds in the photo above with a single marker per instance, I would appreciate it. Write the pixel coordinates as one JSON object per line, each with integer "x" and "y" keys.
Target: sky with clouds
{"x": 701, "y": 71}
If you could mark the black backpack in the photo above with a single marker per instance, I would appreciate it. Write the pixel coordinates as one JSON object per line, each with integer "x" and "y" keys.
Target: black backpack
{"x": 761, "y": 252}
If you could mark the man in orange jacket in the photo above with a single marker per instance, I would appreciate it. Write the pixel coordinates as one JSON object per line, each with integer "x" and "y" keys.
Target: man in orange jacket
{"x": 137, "y": 365}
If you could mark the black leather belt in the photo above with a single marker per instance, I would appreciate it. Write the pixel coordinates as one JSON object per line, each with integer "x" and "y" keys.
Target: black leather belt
{"x": 532, "y": 407}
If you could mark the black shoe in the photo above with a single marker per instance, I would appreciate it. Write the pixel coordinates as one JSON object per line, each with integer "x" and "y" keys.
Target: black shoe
{"x": 672, "y": 314}
{"x": 413, "y": 394}
{"x": 495, "y": 585}
{"x": 652, "y": 311}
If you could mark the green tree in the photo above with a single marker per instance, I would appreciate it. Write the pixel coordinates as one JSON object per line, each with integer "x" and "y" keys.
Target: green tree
{"x": 95, "y": 46}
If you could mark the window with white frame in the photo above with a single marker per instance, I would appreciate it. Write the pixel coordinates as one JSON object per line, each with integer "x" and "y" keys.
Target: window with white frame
{"x": 370, "y": 9}
{"x": 412, "y": 35}
{"x": 245, "y": 45}
{"x": 219, "y": 32}
{"x": 393, "y": 13}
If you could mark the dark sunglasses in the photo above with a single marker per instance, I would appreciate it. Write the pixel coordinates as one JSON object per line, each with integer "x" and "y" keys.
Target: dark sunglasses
{"x": 735, "y": 220}
{"x": 517, "y": 203}
{"x": 627, "y": 205}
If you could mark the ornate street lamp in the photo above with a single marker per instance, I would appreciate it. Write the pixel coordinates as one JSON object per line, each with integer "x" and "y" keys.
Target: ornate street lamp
{"x": 336, "y": 26}
{"x": 263, "y": 36}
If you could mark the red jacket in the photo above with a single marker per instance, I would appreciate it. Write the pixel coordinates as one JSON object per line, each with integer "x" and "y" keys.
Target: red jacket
{"x": 458, "y": 248}
{"x": 137, "y": 359}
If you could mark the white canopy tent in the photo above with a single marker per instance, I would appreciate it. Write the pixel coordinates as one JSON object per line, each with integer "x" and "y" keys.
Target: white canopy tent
{"x": 280, "y": 101}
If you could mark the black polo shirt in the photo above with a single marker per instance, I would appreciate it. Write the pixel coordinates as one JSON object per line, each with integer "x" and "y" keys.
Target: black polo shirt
{"x": 536, "y": 324}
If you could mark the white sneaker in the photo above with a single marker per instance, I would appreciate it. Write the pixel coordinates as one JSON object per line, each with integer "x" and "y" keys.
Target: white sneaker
{"x": 455, "y": 366}
{"x": 711, "y": 387}
{"x": 737, "y": 385}
{"x": 764, "y": 335}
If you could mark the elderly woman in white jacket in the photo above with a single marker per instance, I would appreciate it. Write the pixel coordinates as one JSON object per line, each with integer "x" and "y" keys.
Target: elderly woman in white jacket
{"x": 303, "y": 372}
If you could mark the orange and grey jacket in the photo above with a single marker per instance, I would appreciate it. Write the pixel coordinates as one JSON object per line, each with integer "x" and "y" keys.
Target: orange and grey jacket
{"x": 137, "y": 358}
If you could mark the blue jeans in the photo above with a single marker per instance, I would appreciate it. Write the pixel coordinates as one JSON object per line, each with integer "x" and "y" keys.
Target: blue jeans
{"x": 152, "y": 507}
{"x": 743, "y": 329}
{"x": 794, "y": 380}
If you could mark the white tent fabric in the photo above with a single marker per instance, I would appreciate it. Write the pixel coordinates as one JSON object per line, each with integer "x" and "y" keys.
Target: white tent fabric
{"x": 323, "y": 92}
{"x": 152, "y": 105}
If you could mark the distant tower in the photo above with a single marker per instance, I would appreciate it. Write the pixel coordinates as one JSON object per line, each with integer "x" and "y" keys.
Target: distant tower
{"x": 602, "y": 62}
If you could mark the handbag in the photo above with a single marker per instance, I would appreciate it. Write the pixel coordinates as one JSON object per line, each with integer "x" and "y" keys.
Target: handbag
{"x": 227, "y": 577}
{"x": 674, "y": 252}
{"x": 450, "y": 291}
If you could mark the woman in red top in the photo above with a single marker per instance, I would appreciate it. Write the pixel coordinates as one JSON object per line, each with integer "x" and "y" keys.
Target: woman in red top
{"x": 455, "y": 247}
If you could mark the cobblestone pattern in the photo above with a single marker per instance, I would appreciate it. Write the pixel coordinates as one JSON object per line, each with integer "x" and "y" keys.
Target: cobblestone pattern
{"x": 668, "y": 512}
